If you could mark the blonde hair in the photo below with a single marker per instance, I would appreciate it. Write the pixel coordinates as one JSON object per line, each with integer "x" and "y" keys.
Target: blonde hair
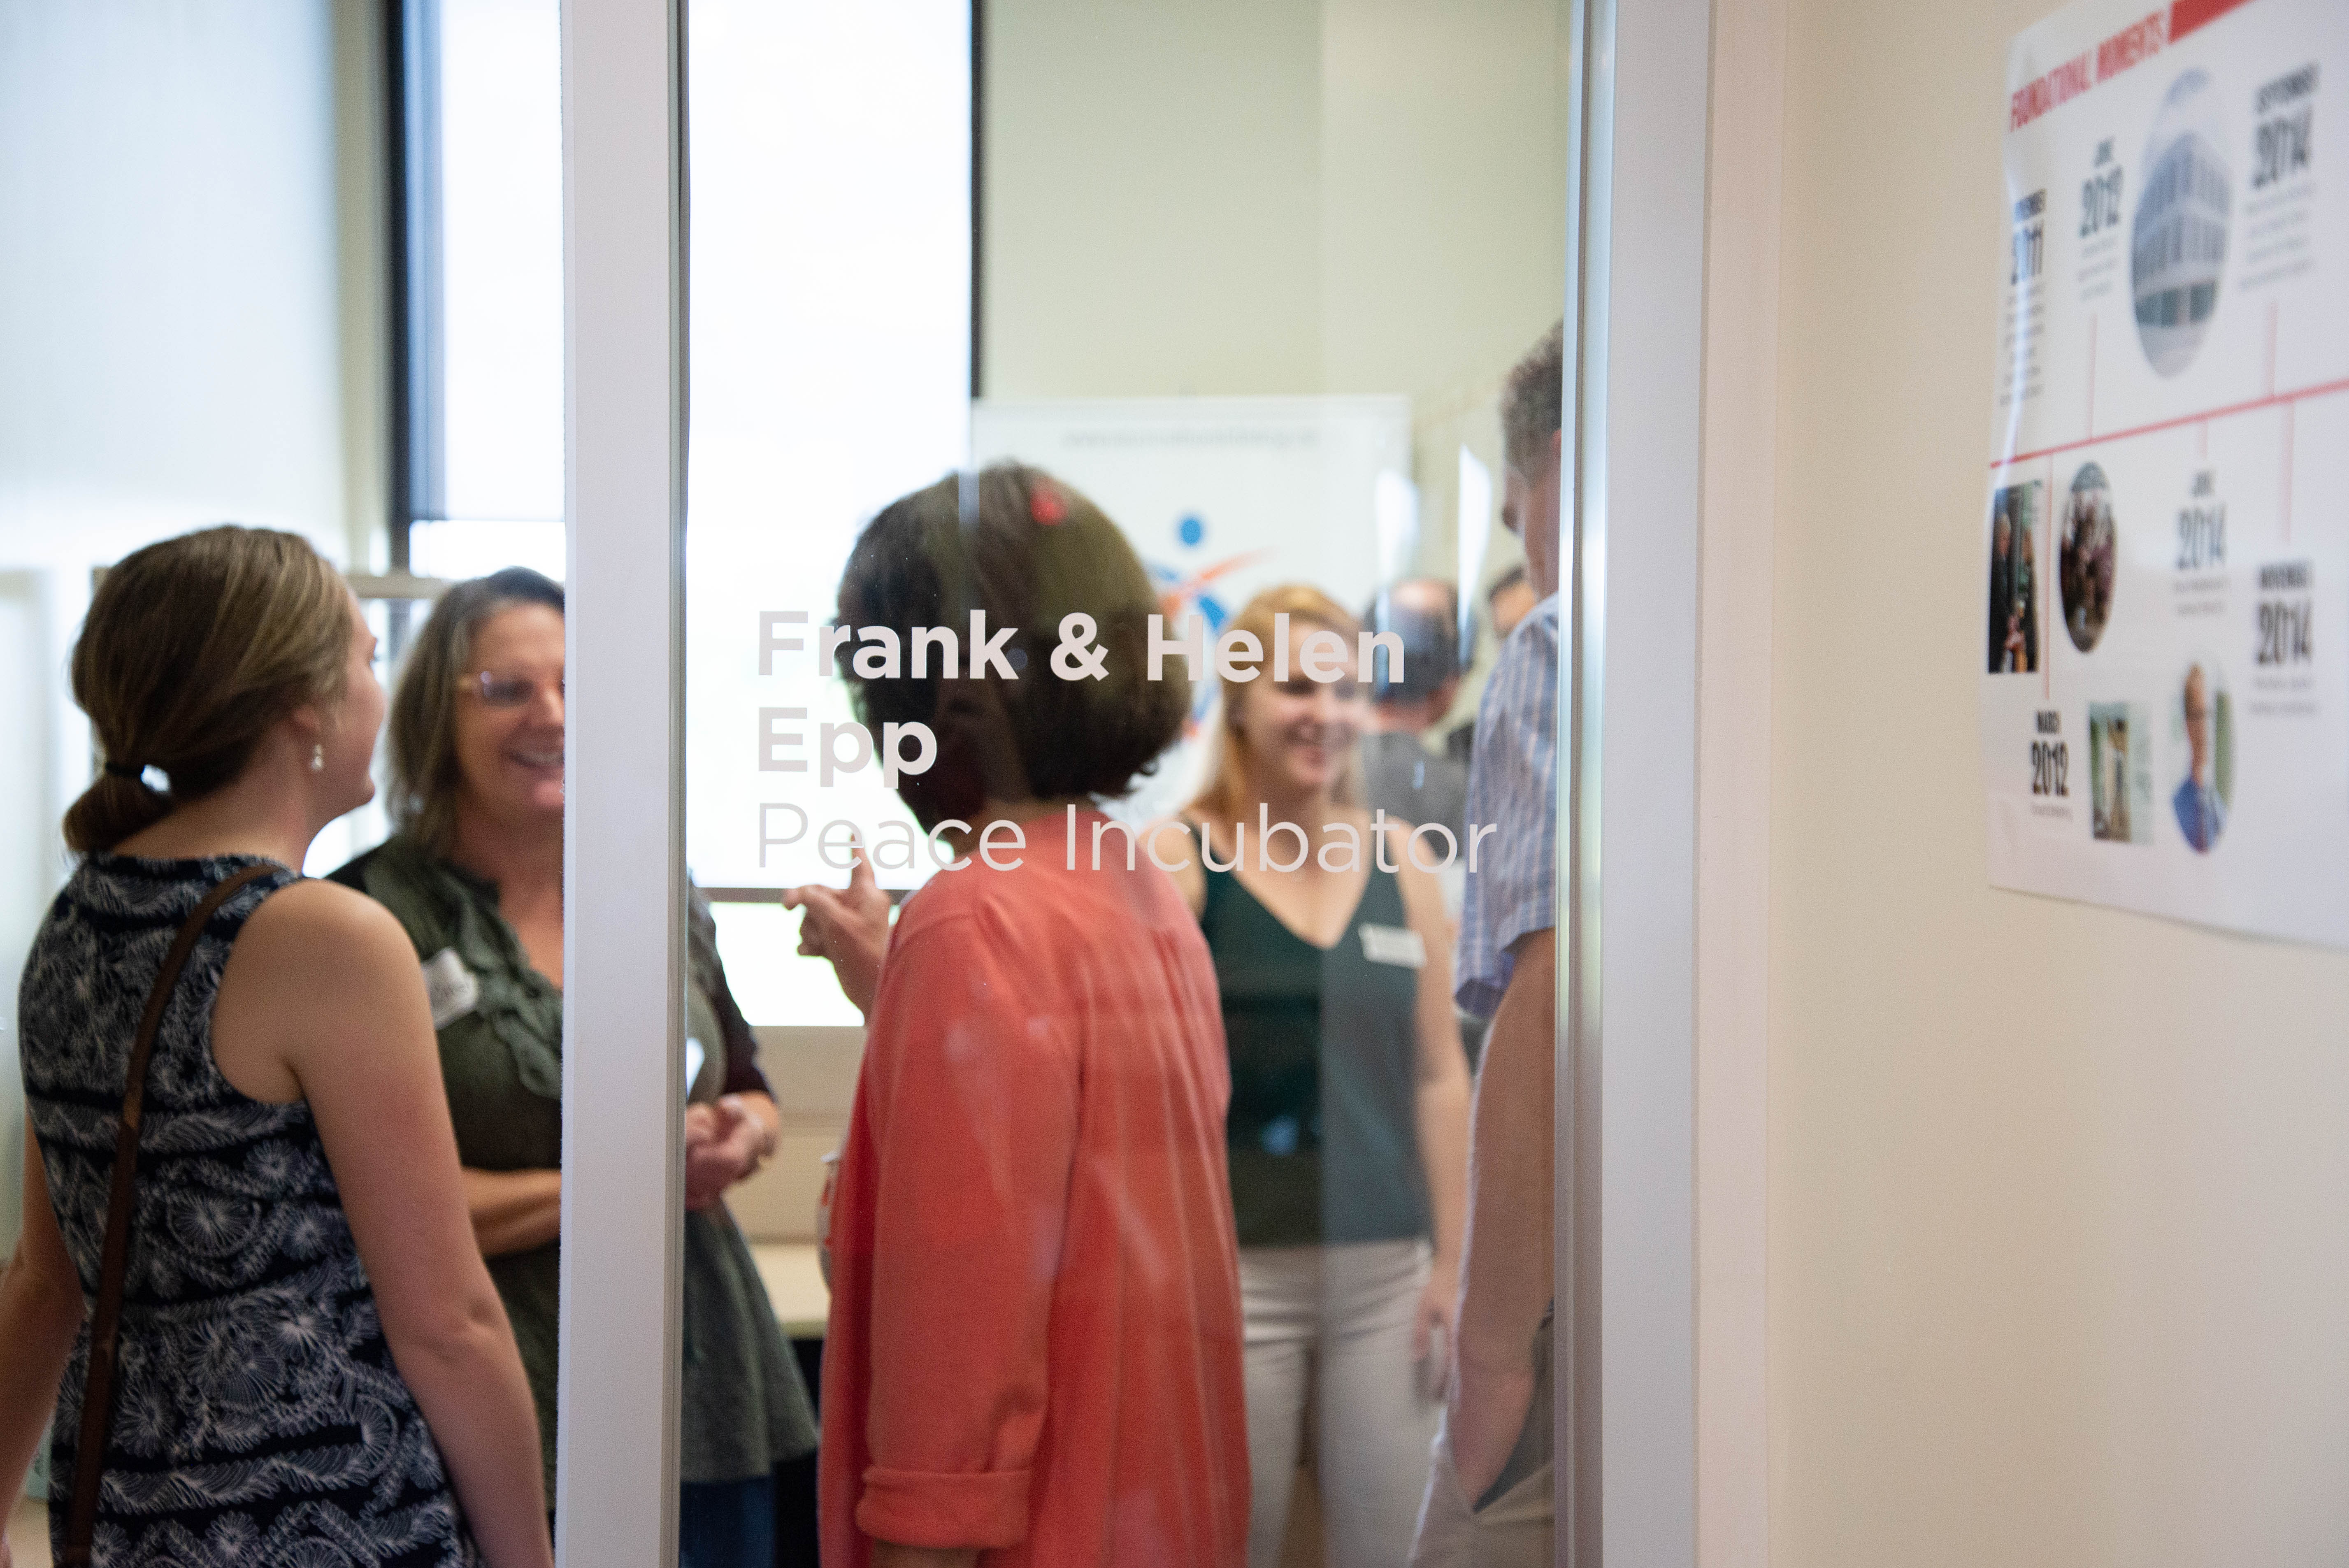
{"x": 193, "y": 648}
{"x": 1226, "y": 795}
{"x": 421, "y": 737}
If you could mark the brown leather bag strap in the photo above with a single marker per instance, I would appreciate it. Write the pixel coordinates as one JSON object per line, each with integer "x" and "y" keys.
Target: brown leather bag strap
{"x": 105, "y": 1320}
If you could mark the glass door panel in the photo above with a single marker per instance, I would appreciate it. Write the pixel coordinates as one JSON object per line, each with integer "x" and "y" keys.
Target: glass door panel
{"x": 1030, "y": 349}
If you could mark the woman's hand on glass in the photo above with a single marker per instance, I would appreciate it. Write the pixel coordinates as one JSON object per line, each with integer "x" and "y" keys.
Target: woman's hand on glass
{"x": 724, "y": 1143}
{"x": 848, "y": 926}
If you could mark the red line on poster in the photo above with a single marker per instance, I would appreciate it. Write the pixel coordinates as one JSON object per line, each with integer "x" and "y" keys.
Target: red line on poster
{"x": 2249, "y": 406}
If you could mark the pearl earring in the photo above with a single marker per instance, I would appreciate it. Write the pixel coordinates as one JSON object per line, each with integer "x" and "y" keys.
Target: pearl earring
{"x": 318, "y": 758}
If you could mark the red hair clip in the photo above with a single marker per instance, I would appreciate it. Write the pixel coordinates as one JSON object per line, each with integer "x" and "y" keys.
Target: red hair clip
{"x": 1047, "y": 505}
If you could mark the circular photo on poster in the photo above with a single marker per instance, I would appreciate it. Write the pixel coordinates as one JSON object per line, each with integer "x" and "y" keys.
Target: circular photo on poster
{"x": 2202, "y": 722}
{"x": 2087, "y": 556}
{"x": 2177, "y": 241}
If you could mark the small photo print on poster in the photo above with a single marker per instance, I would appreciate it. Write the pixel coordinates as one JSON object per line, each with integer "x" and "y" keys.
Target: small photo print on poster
{"x": 2202, "y": 730}
{"x": 2120, "y": 773}
{"x": 2013, "y": 580}
{"x": 2088, "y": 556}
{"x": 2177, "y": 241}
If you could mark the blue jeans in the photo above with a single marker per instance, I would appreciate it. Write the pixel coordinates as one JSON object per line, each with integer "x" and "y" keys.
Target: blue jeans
{"x": 727, "y": 1523}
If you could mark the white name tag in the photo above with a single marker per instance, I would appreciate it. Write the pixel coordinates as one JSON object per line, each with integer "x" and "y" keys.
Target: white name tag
{"x": 451, "y": 987}
{"x": 1397, "y": 944}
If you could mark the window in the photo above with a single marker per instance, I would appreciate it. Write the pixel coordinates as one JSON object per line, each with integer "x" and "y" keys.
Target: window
{"x": 830, "y": 353}
{"x": 483, "y": 296}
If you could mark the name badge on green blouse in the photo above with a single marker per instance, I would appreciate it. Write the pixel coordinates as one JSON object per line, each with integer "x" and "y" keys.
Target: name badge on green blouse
{"x": 451, "y": 987}
{"x": 1397, "y": 944}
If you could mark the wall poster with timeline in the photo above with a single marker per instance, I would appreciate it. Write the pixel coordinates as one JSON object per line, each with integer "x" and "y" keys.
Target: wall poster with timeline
{"x": 2165, "y": 686}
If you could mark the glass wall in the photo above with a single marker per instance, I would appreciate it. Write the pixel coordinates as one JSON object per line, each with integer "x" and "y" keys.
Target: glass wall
{"x": 1112, "y": 435}
{"x": 831, "y": 371}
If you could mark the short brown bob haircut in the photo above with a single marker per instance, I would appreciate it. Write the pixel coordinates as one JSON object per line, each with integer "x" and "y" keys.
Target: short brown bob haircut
{"x": 422, "y": 731}
{"x": 1016, "y": 543}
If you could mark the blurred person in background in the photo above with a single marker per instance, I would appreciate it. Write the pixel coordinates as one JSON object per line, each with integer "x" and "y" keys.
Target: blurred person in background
{"x": 1399, "y": 773}
{"x": 312, "y": 1364}
{"x": 1349, "y": 1124}
{"x": 475, "y": 874}
{"x": 1034, "y": 1350}
{"x": 1507, "y": 601}
{"x": 1489, "y": 1491}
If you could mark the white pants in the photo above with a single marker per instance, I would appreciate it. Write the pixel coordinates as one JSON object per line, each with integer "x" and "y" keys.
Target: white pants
{"x": 1517, "y": 1526}
{"x": 1334, "y": 1324}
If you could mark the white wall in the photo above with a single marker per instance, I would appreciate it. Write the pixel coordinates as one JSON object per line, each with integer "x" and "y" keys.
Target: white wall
{"x": 1150, "y": 198}
{"x": 172, "y": 328}
{"x": 2059, "y": 1238}
{"x": 1278, "y": 196}
{"x": 1732, "y": 871}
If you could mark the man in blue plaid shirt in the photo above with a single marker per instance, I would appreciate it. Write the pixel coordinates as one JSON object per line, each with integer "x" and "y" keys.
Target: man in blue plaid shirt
{"x": 1489, "y": 1494}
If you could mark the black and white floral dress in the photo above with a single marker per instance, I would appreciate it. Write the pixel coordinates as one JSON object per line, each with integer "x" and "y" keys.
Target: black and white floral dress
{"x": 259, "y": 1422}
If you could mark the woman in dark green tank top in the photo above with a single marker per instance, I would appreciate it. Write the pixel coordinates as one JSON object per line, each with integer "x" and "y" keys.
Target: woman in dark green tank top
{"x": 1324, "y": 1056}
{"x": 1348, "y": 1129}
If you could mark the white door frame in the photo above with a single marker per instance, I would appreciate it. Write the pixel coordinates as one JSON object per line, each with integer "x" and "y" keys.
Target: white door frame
{"x": 1659, "y": 1203}
{"x": 1732, "y": 871}
{"x": 624, "y": 840}
{"x": 1627, "y": 1251}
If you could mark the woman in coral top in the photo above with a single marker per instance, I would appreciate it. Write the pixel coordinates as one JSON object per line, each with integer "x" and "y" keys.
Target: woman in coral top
{"x": 1034, "y": 1352}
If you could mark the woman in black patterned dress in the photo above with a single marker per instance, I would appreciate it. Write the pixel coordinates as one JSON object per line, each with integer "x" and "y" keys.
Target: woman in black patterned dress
{"x": 314, "y": 1368}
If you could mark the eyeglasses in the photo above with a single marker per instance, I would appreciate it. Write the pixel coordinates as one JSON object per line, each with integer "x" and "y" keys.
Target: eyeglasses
{"x": 497, "y": 691}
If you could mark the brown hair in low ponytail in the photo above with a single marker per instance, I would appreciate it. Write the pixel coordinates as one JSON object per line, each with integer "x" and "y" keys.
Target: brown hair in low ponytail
{"x": 193, "y": 648}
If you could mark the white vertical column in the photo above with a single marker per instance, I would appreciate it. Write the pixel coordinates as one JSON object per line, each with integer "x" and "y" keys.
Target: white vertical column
{"x": 1626, "y": 1111}
{"x": 623, "y": 840}
{"x": 1655, "y": 304}
{"x": 1580, "y": 1451}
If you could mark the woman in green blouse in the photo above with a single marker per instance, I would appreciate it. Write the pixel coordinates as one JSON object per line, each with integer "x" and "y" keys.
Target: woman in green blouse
{"x": 474, "y": 872}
